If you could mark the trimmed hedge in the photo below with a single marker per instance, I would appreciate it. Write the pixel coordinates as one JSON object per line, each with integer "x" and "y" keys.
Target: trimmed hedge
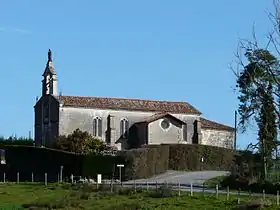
{"x": 145, "y": 162}
{"x": 97, "y": 164}
{"x": 139, "y": 163}
{"x": 28, "y": 159}
{"x": 189, "y": 157}
{"x": 156, "y": 159}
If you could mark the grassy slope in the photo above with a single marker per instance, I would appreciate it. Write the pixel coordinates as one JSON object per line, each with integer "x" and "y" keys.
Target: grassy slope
{"x": 13, "y": 196}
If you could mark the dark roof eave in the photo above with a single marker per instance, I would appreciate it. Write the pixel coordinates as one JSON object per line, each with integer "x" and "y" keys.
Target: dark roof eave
{"x": 160, "y": 116}
{"x": 230, "y": 129}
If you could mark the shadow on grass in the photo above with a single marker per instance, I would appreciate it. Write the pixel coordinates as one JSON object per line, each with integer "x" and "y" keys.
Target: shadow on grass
{"x": 54, "y": 204}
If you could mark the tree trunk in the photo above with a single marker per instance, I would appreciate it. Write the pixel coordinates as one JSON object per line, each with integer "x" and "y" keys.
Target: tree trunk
{"x": 264, "y": 168}
{"x": 264, "y": 161}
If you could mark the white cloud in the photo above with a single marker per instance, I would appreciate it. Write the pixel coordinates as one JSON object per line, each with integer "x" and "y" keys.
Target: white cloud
{"x": 19, "y": 30}
{"x": 14, "y": 30}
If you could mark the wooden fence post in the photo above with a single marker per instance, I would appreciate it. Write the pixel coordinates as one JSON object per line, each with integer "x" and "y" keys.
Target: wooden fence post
{"x": 277, "y": 198}
{"x": 46, "y": 179}
{"x": 238, "y": 196}
{"x": 4, "y": 177}
{"x": 203, "y": 189}
{"x": 263, "y": 194}
{"x": 217, "y": 191}
{"x": 111, "y": 185}
{"x": 156, "y": 186}
{"x": 61, "y": 174}
{"x": 97, "y": 182}
{"x": 18, "y": 177}
{"x": 72, "y": 179}
{"x": 32, "y": 177}
{"x": 191, "y": 189}
{"x": 179, "y": 190}
{"x": 134, "y": 185}
{"x": 147, "y": 186}
{"x": 227, "y": 193}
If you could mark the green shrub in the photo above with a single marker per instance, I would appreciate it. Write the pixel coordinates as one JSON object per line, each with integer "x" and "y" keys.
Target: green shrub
{"x": 13, "y": 140}
{"x": 126, "y": 206}
{"x": 80, "y": 142}
{"x": 127, "y": 191}
{"x": 85, "y": 195}
{"x": 87, "y": 188}
{"x": 243, "y": 183}
{"x": 162, "y": 192}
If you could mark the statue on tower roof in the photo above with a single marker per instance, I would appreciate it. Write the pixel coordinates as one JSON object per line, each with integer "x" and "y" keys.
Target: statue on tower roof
{"x": 50, "y": 55}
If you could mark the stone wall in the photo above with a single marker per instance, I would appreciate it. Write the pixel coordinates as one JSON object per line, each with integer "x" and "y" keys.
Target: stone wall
{"x": 46, "y": 120}
{"x": 219, "y": 138}
{"x": 173, "y": 135}
{"x": 82, "y": 118}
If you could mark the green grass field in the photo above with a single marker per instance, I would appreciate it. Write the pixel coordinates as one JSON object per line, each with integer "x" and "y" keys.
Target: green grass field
{"x": 38, "y": 196}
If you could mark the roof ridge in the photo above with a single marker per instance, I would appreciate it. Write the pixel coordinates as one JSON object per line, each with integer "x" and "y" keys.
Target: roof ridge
{"x": 135, "y": 99}
{"x": 128, "y": 104}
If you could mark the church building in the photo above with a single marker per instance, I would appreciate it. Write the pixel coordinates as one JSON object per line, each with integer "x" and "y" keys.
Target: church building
{"x": 120, "y": 122}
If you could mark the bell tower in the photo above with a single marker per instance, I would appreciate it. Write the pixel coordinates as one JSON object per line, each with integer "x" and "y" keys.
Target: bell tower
{"x": 49, "y": 82}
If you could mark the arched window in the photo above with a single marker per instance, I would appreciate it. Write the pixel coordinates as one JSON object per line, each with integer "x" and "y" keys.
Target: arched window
{"x": 124, "y": 128}
{"x": 97, "y": 127}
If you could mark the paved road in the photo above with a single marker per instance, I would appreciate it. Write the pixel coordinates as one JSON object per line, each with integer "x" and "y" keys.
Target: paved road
{"x": 183, "y": 177}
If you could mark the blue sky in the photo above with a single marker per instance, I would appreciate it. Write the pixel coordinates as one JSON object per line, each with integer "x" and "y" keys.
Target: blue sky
{"x": 160, "y": 49}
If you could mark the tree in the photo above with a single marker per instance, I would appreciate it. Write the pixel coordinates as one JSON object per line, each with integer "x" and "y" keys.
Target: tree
{"x": 252, "y": 83}
{"x": 261, "y": 65}
{"x": 257, "y": 101}
{"x": 80, "y": 142}
{"x": 13, "y": 140}
{"x": 258, "y": 82}
{"x": 267, "y": 130}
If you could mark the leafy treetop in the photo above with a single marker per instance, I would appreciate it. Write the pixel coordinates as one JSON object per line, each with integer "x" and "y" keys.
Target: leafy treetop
{"x": 80, "y": 142}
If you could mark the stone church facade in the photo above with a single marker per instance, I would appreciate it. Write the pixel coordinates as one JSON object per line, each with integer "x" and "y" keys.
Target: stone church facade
{"x": 122, "y": 123}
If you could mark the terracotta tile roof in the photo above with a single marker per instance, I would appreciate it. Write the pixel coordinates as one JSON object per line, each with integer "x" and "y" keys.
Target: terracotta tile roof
{"x": 159, "y": 116}
{"x": 208, "y": 124}
{"x": 128, "y": 104}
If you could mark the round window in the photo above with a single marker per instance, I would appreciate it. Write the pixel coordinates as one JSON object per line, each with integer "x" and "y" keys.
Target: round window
{"x": 165, "y": 124}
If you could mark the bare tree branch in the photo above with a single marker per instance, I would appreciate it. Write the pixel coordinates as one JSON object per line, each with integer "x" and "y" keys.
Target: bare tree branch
{"x": 252, "y": 146}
